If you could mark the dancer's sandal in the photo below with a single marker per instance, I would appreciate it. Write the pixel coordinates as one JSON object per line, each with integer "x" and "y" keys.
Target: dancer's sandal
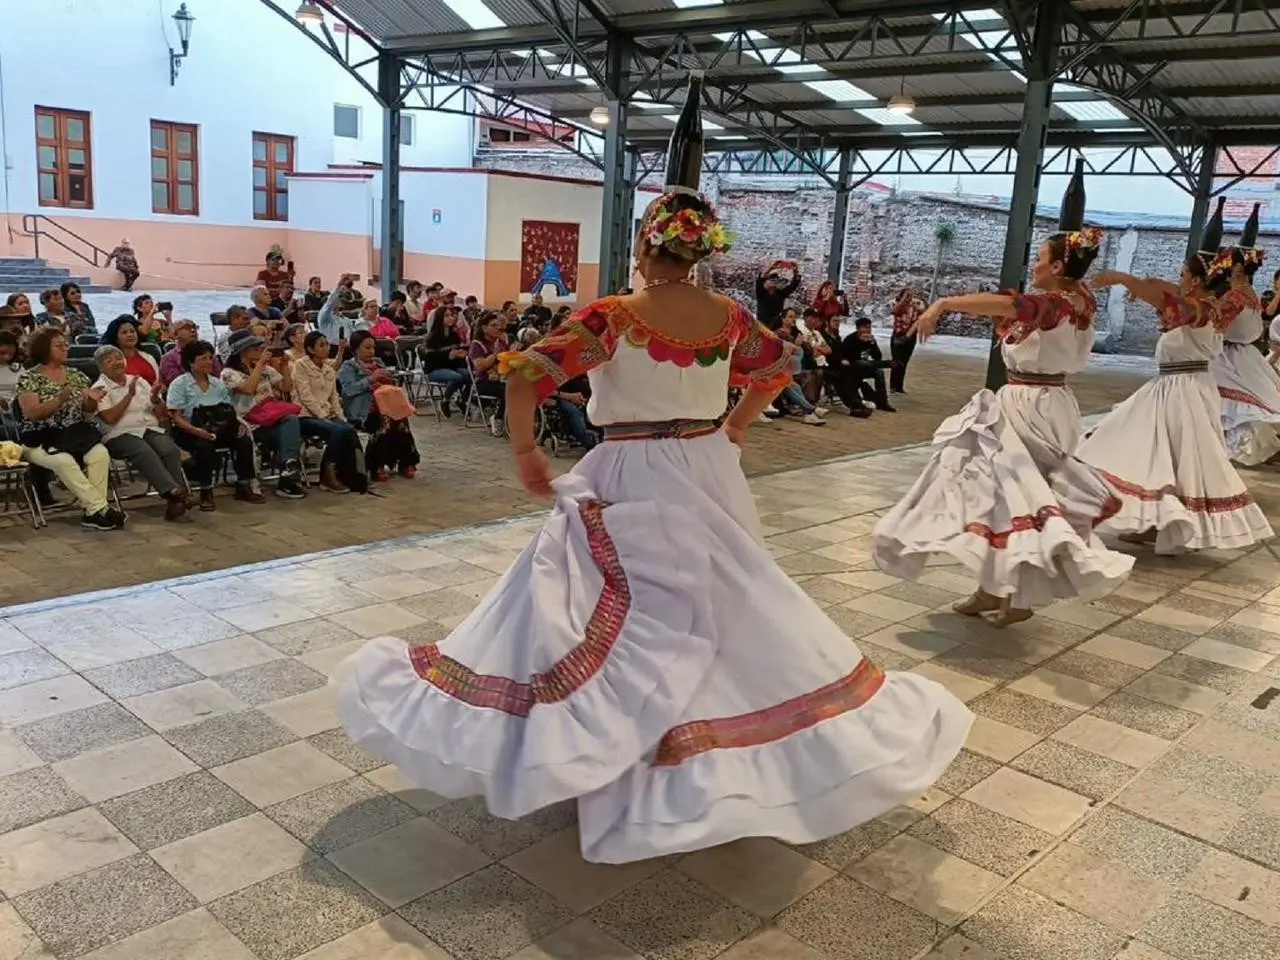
{"x": 981, "y": 602}
{"x": 1008, "y": 615}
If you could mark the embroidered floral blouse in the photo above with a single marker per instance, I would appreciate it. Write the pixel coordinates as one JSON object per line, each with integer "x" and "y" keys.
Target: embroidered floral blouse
{"x": 1192, "y": 328}
{"x": 638, "y": 374}
{"x": 1052, "y": 332}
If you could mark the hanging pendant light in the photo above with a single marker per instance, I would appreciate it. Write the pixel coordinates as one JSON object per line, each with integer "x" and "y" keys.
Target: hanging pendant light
{"x": 309, "y": 12}
{"x": 600, "y": 116}
{"x": 900, "y": 103}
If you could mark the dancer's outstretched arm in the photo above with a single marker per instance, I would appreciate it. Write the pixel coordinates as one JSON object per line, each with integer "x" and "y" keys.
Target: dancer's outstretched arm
{"x": 1147, "y": 289}
{"x": 1001, "y": 305}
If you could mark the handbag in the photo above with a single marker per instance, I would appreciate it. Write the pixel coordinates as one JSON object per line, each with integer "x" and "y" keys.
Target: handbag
{"x": 219, "y": 419}
{"x": 271, "y": 411}
{"x": 76, "y": 439}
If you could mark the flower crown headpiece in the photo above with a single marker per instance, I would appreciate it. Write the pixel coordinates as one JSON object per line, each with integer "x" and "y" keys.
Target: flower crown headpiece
{"x": 1222, "y": 262}
{"x": 1252, "y": 256}
{"x": 1086, "y": 238}
{"x": 691, "y": 233}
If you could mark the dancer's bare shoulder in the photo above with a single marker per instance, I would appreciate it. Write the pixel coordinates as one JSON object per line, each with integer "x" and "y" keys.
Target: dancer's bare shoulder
{"x": 682, "y": 312}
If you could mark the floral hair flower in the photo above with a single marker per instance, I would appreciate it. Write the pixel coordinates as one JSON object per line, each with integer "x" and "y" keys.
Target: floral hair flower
{"x": 693, "y": 234}
{"x": 1086, "y": 238}
{"x": 1253, "y": 256}
{"x": 1222, "y": 262}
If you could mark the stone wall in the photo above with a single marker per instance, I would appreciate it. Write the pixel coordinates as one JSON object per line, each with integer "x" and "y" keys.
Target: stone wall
{"x": 790, "y": 218}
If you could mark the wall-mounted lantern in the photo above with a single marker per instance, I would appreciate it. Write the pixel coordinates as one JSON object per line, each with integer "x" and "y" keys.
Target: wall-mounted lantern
{"x": 184, "y": 20}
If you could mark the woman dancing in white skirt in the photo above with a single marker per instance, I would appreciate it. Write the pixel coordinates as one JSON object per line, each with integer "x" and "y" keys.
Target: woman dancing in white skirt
{"x": 1248, "y": 387}
{"x": 1002, "y": 493}
{"x": 1162, "y": 449}
{"x": 645, "y": 655}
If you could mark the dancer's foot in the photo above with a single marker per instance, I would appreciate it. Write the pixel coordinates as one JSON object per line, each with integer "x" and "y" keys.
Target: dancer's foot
{"x": 981, "y": 602}
{"x": 1145, "y": 537}
{"x": 1008, "y": 615}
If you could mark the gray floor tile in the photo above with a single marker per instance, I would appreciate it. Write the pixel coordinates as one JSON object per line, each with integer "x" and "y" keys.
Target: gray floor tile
{"x": 491, "y": 913}
{"x": 1219, "y": 777}
{"x": 179, "y": 808}
{"x": 966, "y": 770}
{"x": 1085, "y": 773}
{"x": 272, "y": 681}
{"x": 296, "y": 639}
{"x": 977, "y": 662}
{"x": 338, "y": 745}
{"x": 281, "y": 918}
{"x": 1146, "y": 848}
{"x": 136, "y": 677}
{"x": 231, "y": 736}
{"x": 340, "y": 814}
{"x": 1257, "y": 836}
{"x": 1193, "y": 929}
{"x": 92, "y": 909}
{"x": 34, "y": 795}
{"x": 848, "y": 921}
{"x": 28, "y": 666}
{"x": 71, "y": 734}
{"x": 1022, "y": 925}
{"x": 1248, "y": 637}
{"x": 468, "y": 820}
{"x": 1094, "y": 669}
{"x": 1204, "y": 673}
{"x": 845, "y": 848}
{"x": 981, "y": 836}
{"x": 1139, "y": 713}
{"x": 1152, "y": 634}
{"x": 1019, "y": 710}
{"x": 673, "y": 917}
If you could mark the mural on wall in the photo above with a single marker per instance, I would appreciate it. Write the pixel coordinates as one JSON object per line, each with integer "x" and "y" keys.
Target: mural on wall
{"x": 549, "y": 257}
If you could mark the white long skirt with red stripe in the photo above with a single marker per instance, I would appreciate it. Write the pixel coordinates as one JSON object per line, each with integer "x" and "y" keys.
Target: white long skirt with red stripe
{"x": 1249, "y": 391}
{"x": 647, "y": 657}
{"x": 1163, "y": 452}
{"x": 1003, "y": 496}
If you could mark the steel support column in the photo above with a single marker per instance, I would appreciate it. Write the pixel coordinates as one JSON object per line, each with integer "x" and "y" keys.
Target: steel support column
{"x": 391, "y": 249}
{"x": 1203, "y": 195}
{"x": 840, "y": 217}
{"x": 618, "y": 200}
{"x": 1026, "y": 175}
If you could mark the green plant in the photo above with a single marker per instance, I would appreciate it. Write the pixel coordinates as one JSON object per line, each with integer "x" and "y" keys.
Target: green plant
{"x": 944, "y": 235}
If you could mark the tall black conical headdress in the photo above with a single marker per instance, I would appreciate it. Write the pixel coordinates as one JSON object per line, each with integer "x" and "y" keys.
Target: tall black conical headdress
{"x": 1249, "y": 236}
{"x": 684, "y": 150}
{"x": 1211, "y": 239}
{"x": 1071, "y": 216}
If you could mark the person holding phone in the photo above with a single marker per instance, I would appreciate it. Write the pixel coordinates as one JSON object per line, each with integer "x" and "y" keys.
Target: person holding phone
{"x": 775, "y": 283}
{"x": 444, "y": 356}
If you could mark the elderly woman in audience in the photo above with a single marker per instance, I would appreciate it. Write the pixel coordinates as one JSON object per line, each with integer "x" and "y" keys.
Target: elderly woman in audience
{"x": 54, "y": 313}
{"x": 261, "y": 397}
{"x": 204, "y": 422}
{"x": 122, "y": 332}
{"x": 58, "y": 431}
{"x": 135, "y": 417}
{"x": 315, "y": 387}
{"x": 79, "y": 316}
{"x": 482, "y": 355}
{"x": 262, "y": 309}
{"x": 444, "y": 356}
{"x": 372, "y": 401}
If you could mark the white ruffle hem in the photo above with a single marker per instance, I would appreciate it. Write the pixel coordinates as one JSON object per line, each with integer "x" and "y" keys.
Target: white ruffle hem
{"x": 1002, "y": 496}
{"x": 1249, "y": 391}
{"x": 646, "y": 656}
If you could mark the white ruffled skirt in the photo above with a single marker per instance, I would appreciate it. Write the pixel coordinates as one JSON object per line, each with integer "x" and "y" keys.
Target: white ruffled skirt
{"x": 1003, "y": 496}
{"x": 646, "y": 656}
{"x": 1249, "y": 391}
{"x": 1163, "y": 453}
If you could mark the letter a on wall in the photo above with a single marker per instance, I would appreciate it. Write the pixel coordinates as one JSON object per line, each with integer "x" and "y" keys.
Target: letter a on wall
{"x": 549, "y": 258}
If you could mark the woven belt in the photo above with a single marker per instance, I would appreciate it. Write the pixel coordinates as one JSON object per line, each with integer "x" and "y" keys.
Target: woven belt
{"x": 1189, "y": 366}
{"x": 660, "y": 430}
{"x": 1020, "y": 379}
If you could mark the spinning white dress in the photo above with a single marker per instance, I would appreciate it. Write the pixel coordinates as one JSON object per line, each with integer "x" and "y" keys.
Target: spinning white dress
{"x": 1162, "y": 449}
{"x": 1002, "y": 493}
{"x": 1249, "y": 390}
{"x": 645, "y": 655}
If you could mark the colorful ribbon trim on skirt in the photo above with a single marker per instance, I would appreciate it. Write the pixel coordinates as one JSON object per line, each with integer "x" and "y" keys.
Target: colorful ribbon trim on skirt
{"x": 1020, "y": 379}
{"x": 660, "y": 430}
{"x": 1186, "y": 366}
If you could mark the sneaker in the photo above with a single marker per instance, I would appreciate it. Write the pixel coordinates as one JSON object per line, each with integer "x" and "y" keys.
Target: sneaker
{"x": 814, "y": 420}
{"x": 118, "y": 517}
{"x": 771, "y": 411}
{"x": 763, "y": 419}
{"x": 99, "y": 521}
{"x": 821, "y": 411}
{"x": 870, "y": 405}
{"x": 246, "y": 494}
{"x": 408, "y": 472}
{"x": 288, "y": 488}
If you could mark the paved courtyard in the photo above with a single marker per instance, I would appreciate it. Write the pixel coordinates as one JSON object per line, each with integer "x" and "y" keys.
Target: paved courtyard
{"x": 175, "y": 785}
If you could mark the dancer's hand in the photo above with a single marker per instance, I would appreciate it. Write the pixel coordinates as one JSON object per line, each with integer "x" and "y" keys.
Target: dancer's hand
{"x": 928, "y": 321}
{"x": 736, "y": 435}
{"x": 534, "y": 472}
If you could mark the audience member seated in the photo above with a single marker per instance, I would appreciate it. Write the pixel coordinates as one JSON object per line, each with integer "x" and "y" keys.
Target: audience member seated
{"x": 54, "y": 313}
{"x": 350, "y": 300}
{"x": 571, "y": 399}
{"x": 413, "y": 303}
{"x": 10, "y": 367}
{"x": 204, "y": 420}
{"x": 314, "y": 298}
{"x": 276, "y": 274}
{"x": 444, "y": 356}
{"x": 395, "y": 312}
{"x": 238, "y": 318}
{"x": 382, "y": 326}
{"x": 122, "y": 333}
{"x": 290, "y": 305}
{"x": 260, "y": 394}
{"x": 511, "y": 319}
{"x": 793, "y": 398}
{"x": 315, "y": 387}
{"x": 262, "y": 309}
{"x": 184, "y": 332}
{"x": 295, "y": 337}
{"x": 483, "y": 353}
{"x": 332, "y": 320}
{"x": 58, "y": 430}
{"x": 372, "y": 402}
{"x": 79, "y": 316}
{"x": 831, "y": 304}
{"x": 866, "y": 365}
{"x": 135, "y": 417}
{"x": 151, "y": 323}
{"x": 537, "y": 313}
{"x": 18, "y": 313}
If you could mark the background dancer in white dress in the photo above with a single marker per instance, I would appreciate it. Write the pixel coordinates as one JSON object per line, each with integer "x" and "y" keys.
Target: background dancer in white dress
{"x": 1002, "y": 493}
{"x": 1162, "y": 449}
{"x": 1247, "y": 387}
{"x": 645, "y": 654}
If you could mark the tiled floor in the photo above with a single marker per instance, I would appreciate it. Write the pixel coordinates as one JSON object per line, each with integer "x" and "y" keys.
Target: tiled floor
{"x": 175, "y": 785}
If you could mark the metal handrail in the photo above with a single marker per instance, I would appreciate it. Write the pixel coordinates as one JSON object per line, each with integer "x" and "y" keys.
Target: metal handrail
{"x": 31, "y": 226}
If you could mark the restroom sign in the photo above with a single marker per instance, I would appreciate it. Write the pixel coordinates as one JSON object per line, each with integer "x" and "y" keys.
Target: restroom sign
{"x": 435, "y": 215}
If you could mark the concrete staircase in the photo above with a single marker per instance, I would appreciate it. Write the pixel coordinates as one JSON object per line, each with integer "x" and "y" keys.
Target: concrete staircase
{"x": 31, "y": 276}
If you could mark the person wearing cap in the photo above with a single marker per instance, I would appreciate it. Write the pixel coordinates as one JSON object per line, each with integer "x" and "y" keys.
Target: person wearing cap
{"x": 275, "y": 275}
{"x": 257, "y": 388}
